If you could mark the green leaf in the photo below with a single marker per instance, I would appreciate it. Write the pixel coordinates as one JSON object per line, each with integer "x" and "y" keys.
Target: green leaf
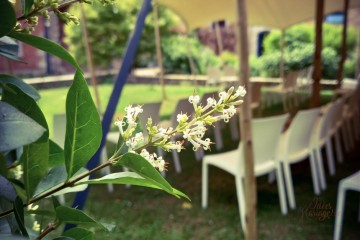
{"x": 56, "y": 202}
{"x": 83, "y": 126}
{"x": 56, "y": 155}
{"x": 16, "y": 128}
{"x": 9, "y": 49}
{"x": 79, "y": 234}
{"x": 56, "y": 177}
{"x": 27, "y": 105}
{"x": 7, "y": 190}
{"x": 140, "y": 165}
{"x": 19, "y": 215}
{"x": 8, "y": 17}
{"x": 133, "y": 179}
{"x": 28, "y": 5}
{"x": 24, "y": 87}
{"x": 35, "y": 165}
{"x": 45, "y": 45}
{"x": 41, "y": 212}
{"x": 74, "y": 216}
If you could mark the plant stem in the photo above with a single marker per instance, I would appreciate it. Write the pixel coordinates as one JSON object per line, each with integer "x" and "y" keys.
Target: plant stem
{"x": 36, "y": 10}
{"x": 49, "y": 228}
{"x": 65, "y": 185}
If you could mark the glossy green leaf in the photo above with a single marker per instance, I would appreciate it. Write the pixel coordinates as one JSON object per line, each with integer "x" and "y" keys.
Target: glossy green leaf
{"x": 8, "y": 17}
{"x": 16, "y": 128}
{"x": 24, "y": 87}
{"x": 9, "y": 49}
{"x": 45, "y": 45}
{"x": 83, "y": 126}
{"x": 19, "y": 215}
{"x": 56, "y": 202}
{"x": 132, "y": 179}
{"x": 140, "y": 165}
{"x": 56, "y": 177}
{"x": 79, "y": 234}
{"x": 34, "y": 160}
{"x": 74, "y": 216}
{"x": 41, "y": 212}
{"x": 28, "y": 5}
{"x": 56, "y": 155}
{"x": 27, "y": 105}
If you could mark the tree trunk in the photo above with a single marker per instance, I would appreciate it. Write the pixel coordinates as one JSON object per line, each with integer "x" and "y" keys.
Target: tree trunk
{"x": 343, "y": 45}
{"x": 317, "y": 74}
{"x": 245, "y": 123}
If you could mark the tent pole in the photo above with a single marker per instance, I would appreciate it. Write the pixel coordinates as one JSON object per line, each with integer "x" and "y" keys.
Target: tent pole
{"x": 317, "y": 74}
{"x": 357, "y": 59}
{"x": 191, "y": 59}
{"x": 218, "y": 36}
{"x": 282, "y": 52}
{"x": 343, "y": 45}
{"x": 89, "y": 59}
{"x": 245, "y": 122}
{"x": 158, "y": 50}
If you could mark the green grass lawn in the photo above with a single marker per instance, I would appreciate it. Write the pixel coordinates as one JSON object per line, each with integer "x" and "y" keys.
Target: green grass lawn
{"x": 141, "y": 213}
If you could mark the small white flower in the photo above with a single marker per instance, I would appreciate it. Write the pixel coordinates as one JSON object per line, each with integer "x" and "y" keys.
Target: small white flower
{"x": 241, "y": 91}
{"x": 17, "y": 171}
{"x": 154, "y": 160}
{"x": 182, "y": 118}
{"x": 36, "y": 226}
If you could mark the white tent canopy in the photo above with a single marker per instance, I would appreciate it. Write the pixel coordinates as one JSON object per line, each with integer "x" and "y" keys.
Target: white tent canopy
{"x": 270, "y": 13}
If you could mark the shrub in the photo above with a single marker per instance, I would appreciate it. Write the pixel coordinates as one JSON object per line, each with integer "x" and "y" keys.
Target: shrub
{"x": 349, "y": 68}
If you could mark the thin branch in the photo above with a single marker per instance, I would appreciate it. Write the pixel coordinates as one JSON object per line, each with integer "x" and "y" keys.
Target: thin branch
{"x": 48, "y": 8}
{"x": 49, "y": 228}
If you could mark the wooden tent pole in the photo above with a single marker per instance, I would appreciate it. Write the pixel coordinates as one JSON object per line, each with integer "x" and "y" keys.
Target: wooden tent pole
{"x": 282, "y": 56}
{"x": 218, "y": 36}
{"x": 245, "y": 123}
{"x": 357, "y": 60}
{"x": 343, "y": 45}
{"x": 89, "y": 59}
{"x": 317, "y": 74}
{"x": 158, "y": 50}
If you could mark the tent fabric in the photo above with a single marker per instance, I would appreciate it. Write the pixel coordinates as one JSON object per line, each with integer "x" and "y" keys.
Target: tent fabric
{"x": 269, "y": 13}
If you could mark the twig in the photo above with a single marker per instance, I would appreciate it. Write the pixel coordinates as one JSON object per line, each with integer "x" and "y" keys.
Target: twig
{"x": 49, "y": 228}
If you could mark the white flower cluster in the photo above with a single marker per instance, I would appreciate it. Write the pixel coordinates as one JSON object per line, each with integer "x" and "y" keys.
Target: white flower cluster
{"x": 192, "y": 128}
{"x": 17, "y": 172}
{"x": 156, "y": 162}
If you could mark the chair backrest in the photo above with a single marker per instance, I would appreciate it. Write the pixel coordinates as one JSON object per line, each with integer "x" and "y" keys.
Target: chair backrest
{"x": 59, "y": 129}
{"x": 213, "y": 75}
{"x": 322, "y": 130}
{"x": 265, "y": 138}
{"x": 183, "y": 106}
{"x": 256, "y": 92}
{"x": 290, "y": 80}
{"x": 150, "y": 110}
{"x": 229, "y": 71}
{"x": 298, "y": 135}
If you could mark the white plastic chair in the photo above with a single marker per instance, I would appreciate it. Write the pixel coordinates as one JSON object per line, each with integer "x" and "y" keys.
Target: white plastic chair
{"x": 349, "y": 183}
{"x": 321, "y": 138}
{"x": 213, "y": 76}
{"x": 295, "y": 146}
{"x": 266, "y": 133}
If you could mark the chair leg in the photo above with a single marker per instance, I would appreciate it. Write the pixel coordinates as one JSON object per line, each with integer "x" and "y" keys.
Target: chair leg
{"x": 289, "y": 185}
{"x": 339, "y": 153}
{"x": 106, "y": 171}
{"x": 204, "y": 185}
{"x": 271, "y": 177}
{"x": 330, "y": 156}
{"x": 176, "y": 159}
{"x": 320, "y": 167}
{"x": 314, "y": 174}
{"x": 199, "y": 154}
{"x": 234, "y": 129}
{"x": 339, "y": 212}
{"x": 218, "y": 138}
{"x": 241, "y": 200}
{"x": 345, "y": 135}
{"x": 281, "y": 189}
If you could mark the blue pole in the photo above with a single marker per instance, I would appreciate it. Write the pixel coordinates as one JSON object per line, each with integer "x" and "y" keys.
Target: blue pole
{"x": 120, "y": 81}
